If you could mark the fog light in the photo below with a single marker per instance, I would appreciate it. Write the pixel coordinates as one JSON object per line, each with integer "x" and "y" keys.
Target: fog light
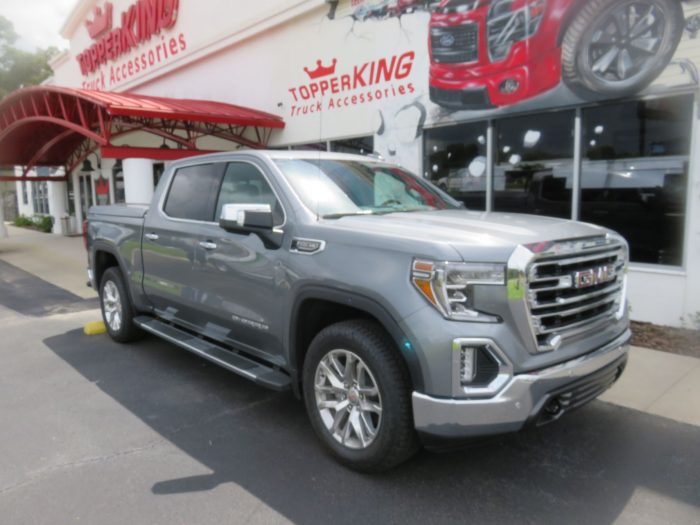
{"x": 509, "y": 86}
{"x": 467, "y": 364}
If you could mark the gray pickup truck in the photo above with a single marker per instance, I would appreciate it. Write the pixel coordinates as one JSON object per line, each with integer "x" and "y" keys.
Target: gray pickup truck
{"x": 398, "y": 316}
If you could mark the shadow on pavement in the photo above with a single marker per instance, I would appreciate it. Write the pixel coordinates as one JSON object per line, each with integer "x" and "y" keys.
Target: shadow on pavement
{"x": 27, "y": 294}
{"x": 581, "y": 469}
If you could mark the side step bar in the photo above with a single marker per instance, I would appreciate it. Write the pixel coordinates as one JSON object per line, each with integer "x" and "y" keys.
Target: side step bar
{"x": 261, "y": 374}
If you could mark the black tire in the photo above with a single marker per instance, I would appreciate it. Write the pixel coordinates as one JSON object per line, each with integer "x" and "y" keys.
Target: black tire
{"x": 395, "y": 440}
{"x": 126, "y": 331}
{"x": 582, "y": 48}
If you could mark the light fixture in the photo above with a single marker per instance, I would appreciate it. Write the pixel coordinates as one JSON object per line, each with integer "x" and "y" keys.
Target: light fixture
{"x": 87, "y": 166}
{"x": 164, "y": 145}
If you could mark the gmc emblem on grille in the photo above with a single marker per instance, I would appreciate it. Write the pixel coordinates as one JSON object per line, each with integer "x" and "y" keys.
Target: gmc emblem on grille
{"x": 594, "y": 276}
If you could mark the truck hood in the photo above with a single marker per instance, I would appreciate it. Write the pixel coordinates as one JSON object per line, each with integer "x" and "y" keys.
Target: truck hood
{"x": 495, "y": 234}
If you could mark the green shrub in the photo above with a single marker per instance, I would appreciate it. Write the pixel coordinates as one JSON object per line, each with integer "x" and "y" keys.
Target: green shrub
{"x": 21, "y": 220}
{"x": 43, "y": 223}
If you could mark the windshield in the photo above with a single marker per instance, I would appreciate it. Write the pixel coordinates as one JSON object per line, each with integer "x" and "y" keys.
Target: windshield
{"x": 335, "y": 188}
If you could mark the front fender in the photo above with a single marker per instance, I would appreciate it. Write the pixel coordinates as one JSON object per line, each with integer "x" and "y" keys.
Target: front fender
{"x": 383, "y": 313}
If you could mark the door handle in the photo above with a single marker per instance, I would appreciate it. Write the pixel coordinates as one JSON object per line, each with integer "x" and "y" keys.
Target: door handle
{"x": 151, "y": 236}
{"x": 208, "y": 245}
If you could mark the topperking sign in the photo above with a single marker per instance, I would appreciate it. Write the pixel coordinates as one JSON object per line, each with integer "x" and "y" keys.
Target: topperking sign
{"x": 138, "y": 24}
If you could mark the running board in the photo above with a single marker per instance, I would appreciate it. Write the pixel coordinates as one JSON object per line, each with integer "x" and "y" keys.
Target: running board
{"x": 261, "y": 374}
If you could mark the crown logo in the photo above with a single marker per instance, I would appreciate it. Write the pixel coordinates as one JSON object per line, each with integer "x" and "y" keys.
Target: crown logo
{"x": 101, "y": 22}
{"x": 102, "y": 186}
{"x": 320, "y": 70}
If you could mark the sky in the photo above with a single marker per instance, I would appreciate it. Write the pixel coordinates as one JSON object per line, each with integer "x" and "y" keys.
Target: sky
{"x": 37, "y": 22}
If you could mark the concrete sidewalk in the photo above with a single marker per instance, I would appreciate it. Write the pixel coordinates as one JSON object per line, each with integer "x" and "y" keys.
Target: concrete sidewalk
{"x": 655, "y": 382}
{"x": 61, "y": 261}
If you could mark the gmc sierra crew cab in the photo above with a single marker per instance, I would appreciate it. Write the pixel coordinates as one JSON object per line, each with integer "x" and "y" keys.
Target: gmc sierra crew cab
{"x": 399, "y": 317}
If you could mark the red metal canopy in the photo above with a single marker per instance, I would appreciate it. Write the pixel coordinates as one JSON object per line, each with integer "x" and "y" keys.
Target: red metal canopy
{"x": 55, "y": 126}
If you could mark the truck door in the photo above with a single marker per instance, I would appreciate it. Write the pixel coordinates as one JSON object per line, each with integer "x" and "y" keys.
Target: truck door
{"x": 243, "y": 283}
{"x": 173, "y": 228}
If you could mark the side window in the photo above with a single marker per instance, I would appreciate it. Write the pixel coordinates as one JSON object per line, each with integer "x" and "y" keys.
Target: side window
{"x": 193, "y": 192}
{"x": 243, "y": 183}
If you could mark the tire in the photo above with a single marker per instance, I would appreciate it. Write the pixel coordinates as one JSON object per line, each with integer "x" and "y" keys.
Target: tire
{"x": 394, "y": 439}
{"x": 597, "y": 38}
{"x": 117, "y": 311}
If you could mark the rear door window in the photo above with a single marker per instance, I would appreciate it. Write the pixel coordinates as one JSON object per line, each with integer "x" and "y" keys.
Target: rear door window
{"x": 193, "y": 191}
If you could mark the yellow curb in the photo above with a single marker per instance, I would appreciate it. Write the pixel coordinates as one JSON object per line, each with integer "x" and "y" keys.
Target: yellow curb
{"x": 95, "y": 328}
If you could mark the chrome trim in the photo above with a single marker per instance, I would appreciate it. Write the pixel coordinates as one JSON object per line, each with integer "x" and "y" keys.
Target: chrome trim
{"x": 571, "y": 311}
{"x": 522, "y": 269}
{"x": 616, "y": 287}
{"x": 505, "y": 368}
{"x": 520, "y": 399}
{"x": 322, "y": 246}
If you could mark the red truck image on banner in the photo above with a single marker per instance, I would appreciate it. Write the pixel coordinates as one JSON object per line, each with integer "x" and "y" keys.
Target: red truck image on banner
{"x": 490, "y": 53}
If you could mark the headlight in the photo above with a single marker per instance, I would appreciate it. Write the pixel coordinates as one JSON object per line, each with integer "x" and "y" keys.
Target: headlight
{"x": 448, "y": 286}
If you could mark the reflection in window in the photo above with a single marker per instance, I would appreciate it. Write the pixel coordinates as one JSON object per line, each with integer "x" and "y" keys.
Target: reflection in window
{"x": 634, "y": 174}
{"x": 533, "y": 172}
{"x": 357, "y": 146}
{"x": 118, "y": 177}
{"x": 313, "y": 146}
{"x": 455, "y": 160}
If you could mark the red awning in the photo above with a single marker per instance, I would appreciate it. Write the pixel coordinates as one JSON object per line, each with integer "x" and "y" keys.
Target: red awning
{"x": 55, "y": 126}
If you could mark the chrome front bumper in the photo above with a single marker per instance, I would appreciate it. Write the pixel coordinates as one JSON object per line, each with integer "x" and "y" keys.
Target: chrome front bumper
{"x": 532, "y": 396}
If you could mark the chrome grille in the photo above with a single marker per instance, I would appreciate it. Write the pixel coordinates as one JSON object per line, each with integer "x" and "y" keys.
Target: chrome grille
{"x": 574, "y": 292}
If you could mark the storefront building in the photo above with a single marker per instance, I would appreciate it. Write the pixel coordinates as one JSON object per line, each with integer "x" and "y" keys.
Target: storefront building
{"x": 585, "y": 110}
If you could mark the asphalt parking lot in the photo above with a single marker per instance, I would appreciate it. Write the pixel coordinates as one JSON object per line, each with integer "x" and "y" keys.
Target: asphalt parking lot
{"x": 96, "y": 432}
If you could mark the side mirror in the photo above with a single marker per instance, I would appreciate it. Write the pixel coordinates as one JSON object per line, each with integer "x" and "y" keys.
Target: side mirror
{"x": 251, "y": 218}
{"x": 246, "y": 217}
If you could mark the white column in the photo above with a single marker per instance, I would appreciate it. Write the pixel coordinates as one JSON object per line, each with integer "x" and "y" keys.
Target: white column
{"x": 692, "y": 228}
{"x": 138, "y": 180}
{"x": 3, "y": 229}
{"x": 57, "y": 205}
{"x": 77, "y": 201}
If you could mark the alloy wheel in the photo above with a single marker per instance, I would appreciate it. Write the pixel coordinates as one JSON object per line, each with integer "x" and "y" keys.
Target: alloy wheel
{"x": 348, "y": 399}
{"x": 625, "y": 42}
{"x": 112, "y": 304}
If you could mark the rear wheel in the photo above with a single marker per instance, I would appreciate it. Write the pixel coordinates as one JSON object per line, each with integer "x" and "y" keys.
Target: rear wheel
{"x": 117, "y": 312}
{"x": 617, "y": 48}
{"x": 358, "y": 398}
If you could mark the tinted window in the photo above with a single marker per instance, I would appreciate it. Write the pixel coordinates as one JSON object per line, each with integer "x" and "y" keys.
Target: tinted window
{"x": 455, "y": 161}
{"x": 634, "y": 174}
{"x": 533, "y": 172}
{"x": 244, "y": 184}
{"x": 193, "y": 192}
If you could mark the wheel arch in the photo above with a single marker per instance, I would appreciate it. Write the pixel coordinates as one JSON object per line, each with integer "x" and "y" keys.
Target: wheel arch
{"x": 105, "y": 256}
{"x": 569, "y": 16}
{"x": 317, "y": 307}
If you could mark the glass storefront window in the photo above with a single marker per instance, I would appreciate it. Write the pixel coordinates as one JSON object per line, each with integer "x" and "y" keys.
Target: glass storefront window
{"x": 455, "y": 160}
{"x": 357, "y": 145}
{"x": 118, "y": 177}
{"x": 533, "y": 169}
{"x": 316, "y": 146}
{"x": 634, "y": 173}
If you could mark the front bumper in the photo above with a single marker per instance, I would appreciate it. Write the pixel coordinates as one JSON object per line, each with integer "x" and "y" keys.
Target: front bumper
{"x": 534, "y": 397}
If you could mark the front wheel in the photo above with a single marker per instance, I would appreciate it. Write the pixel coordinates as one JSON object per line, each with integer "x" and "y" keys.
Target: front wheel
{"x": 357, "y": 395}
{"x": 617, "y": 48}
